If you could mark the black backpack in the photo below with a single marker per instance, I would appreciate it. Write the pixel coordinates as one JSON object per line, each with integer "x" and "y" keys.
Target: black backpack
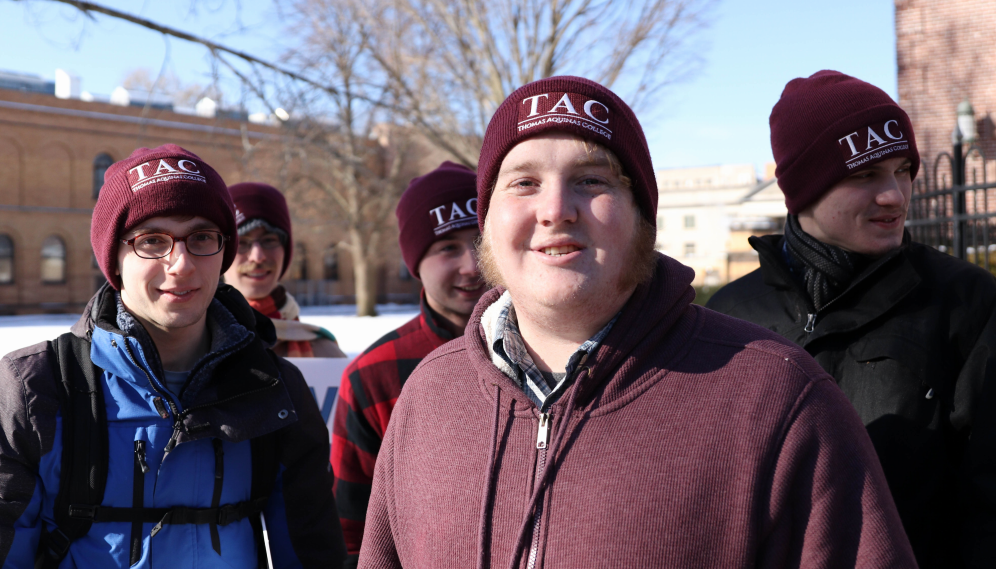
{"x": 84, "y": 469}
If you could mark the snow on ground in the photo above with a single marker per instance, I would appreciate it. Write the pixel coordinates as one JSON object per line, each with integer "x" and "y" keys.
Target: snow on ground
{"x": 354, "y": 333}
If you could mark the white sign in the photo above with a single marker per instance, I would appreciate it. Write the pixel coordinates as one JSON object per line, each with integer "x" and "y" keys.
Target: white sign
{"x": 322, "y": 376}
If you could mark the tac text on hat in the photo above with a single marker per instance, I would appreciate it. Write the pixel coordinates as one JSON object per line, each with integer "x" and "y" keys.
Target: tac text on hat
{"x": 580, "y": 107}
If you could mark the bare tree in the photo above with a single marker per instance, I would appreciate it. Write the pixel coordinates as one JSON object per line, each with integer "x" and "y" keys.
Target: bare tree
{"x": 167, "y": 84}
{"x": 367, "y": 75}
{"x": 343, "y": 150}
{"x": 355, "y": 154}
{"x": 450, "y": 63}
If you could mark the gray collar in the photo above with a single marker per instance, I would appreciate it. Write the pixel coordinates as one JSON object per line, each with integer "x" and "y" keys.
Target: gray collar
{"x": 227, "y": 337}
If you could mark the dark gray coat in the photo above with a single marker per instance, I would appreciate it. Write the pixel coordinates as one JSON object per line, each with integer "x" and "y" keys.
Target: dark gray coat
{"x": 912, "y": 344}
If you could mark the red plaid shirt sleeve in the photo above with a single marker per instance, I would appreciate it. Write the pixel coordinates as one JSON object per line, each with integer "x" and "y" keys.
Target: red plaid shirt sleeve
{"x": 370, "y": 386}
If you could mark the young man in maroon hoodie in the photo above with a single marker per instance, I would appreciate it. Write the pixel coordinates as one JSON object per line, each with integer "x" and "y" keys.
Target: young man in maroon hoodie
{"x": 592, "y": 416}
{"x": 437, "y": 226}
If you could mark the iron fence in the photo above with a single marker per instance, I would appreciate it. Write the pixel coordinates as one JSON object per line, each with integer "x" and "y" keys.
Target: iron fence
{"x": 953, "y": 206}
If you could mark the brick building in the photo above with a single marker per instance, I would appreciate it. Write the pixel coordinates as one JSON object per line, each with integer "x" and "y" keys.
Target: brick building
{"x": 946, "y": 53}
{"x": 53, "y": 154}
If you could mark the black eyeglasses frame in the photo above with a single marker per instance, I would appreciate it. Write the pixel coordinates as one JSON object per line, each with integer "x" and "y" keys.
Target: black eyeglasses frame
{"x": 174, "y": 240}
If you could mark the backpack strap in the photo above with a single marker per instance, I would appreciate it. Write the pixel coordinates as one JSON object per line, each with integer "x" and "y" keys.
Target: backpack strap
{"x": 84, "y": 447}
{"x": 265, "y": 466}
{"x": 85, "y": 458}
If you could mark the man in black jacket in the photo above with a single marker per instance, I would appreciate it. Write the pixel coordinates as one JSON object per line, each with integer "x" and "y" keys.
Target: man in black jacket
{"x": 907, "y": 332}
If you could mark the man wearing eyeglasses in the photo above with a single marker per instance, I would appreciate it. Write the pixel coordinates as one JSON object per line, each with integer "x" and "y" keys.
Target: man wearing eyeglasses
{"x": 161, "y": 431}
{"x": 264, "y": 253}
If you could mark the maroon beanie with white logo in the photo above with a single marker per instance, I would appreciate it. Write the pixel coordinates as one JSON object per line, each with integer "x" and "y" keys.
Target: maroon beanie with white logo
{"x": 440, "y": 202}
{"x": 255, "y": 202}
{"x": 580, "y": 107}
{"x": 158, "y": 182}
{"x": 829, "y": 125}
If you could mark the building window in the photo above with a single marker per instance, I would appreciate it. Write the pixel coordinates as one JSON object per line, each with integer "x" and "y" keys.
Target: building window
{"x": 403, "y": 274}
{"x": 689, "y": 249}
{"x": 100, "y": 165}
{"x": 689, "y": 222}
{"x": 330, "y": 264}
{"x": 298, "y": 270}
{"x": 6, "y": 260}
{"x": 53, "y": 253}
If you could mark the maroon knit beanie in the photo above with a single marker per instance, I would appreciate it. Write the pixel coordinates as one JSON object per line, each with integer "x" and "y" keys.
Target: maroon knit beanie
{"x": 158, "y": 182}
{"x": 260, "y": 201}
{"x": 830, "y": 125}
{"x": 578, "y": 106}
{"x": 435, "y": 204}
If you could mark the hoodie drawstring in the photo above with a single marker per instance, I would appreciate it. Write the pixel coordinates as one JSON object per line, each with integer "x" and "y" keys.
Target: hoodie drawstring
{"x": 558, "y": 436}
{"x": 488, "y": 482}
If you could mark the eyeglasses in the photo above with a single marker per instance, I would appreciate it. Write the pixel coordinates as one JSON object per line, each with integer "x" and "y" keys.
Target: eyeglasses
{"x": 267, "y": 242}
{"x": 202, "y": 243}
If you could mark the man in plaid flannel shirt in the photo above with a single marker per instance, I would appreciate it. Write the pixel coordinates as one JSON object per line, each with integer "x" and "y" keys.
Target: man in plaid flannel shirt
{"x": 541, "y": 387}
{"x": 437, "y": 222}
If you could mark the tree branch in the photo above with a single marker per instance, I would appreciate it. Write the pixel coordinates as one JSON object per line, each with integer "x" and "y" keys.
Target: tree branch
{"x": 88, "y": 7}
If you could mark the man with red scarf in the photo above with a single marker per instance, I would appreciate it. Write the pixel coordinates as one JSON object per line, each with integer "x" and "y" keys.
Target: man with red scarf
{"x": 262, "y": 259}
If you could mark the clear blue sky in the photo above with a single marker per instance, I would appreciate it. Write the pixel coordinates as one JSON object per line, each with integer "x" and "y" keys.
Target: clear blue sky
{"x": 757, "y": 46}
{"x": 719, "y": 117}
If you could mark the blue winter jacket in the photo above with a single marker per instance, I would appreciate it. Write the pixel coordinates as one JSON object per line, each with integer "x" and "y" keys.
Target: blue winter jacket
{"x": 236, "y": 393}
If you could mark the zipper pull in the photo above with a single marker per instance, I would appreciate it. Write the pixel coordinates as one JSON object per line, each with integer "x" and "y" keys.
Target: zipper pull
{"x": 172, "y": 442}
{"x": 140, "y": 456}
{"x": 543, "y": 434}
{"x": 810, "y": 323}
{"x": 160, "y": 407}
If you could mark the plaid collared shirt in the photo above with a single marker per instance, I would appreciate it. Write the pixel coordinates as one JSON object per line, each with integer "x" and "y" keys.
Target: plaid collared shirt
{"x": 542, "y": 389}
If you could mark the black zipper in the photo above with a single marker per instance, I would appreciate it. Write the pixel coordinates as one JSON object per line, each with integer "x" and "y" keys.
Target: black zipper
{"x": 165, "y": 396}
{"x": 811, "y": 317}
{"x": 160, "y": 407}
{"x": 219, "y": 481}
{"x": 143, "y": 466}
{"x": 138, "y": 499}
{"x": 179, "y": 418}
{"x": 811, "y": 313}
{"x": 177, "y": 414}
{"x": 169, "y": 401}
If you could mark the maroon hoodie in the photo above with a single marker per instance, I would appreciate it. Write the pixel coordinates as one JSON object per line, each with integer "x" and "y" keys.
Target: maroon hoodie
{"x": 690, "y": 439}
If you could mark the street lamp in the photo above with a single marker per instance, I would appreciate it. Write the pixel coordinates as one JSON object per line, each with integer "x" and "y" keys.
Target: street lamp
{"x": 966, "y": 122}
{"x": 964, "y": 131}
